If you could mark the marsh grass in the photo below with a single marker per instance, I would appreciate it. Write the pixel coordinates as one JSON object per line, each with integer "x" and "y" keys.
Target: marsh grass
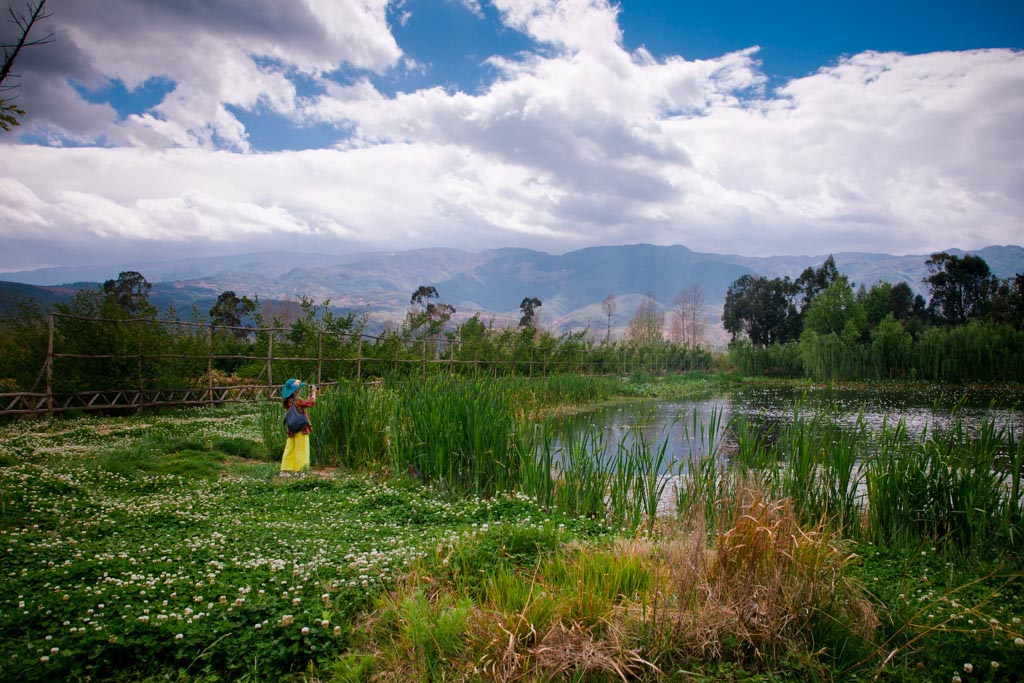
{"x": 771, "y": 593}
{"x": 953, "y": 488}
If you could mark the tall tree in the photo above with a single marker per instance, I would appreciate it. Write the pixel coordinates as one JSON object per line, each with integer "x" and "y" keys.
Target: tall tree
{"x": 648, "y": 323}
{"x": 433, "y": 313}
{"x": 815, "y": 280}
{"x": 687, "y": 305}
{"x": 528, "y": 308}
{"x": 130, "y": 291}
{"x": 1008, "y": 302}
{"x": 961, "y": 288}
{"x": 836, "y": 310}
{"x": 230, "y": 310}
{"x": 23, "y": 23}
{"x": 608, "y": 306}
{"x": 764, "y": 310}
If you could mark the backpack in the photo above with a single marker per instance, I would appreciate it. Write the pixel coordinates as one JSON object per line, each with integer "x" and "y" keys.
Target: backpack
{"x": 294, "y": 421}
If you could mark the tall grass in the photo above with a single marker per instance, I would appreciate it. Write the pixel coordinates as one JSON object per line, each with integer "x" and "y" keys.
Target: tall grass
{"x": 352, "y": 427}
{"x": 457, "y": 433}
{"x": 952, "y": 488}
{"x": 958, "y": 488}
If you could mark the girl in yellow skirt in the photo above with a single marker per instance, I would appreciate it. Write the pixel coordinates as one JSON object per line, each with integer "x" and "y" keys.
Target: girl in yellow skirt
{"x": 296, "y": 448}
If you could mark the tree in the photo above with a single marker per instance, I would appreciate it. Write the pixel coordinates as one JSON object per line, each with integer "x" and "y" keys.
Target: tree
{"x": 764, "y": 310}
{"x": 836, "y": 310}
{"x": 434, "y": 315}
{"x": 1008, "y": 302}
{"x": 9, "y": 113}
{"x": 687, "y": 327}
{"x": 961, "y": 288}
{"x": 529, "y": 307}
{"x": 647, "y": 324}
{"x": 608, "y": 306}
{"x": 130, "y": 291}
{"x": 815, "y": 280}
{"x": 230, "y": 310}
{"x": 891, "y": 346}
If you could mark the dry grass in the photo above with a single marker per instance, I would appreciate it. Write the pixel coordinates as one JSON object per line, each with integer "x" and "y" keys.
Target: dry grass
{"x": 770, "y": 589}
{"x": 768, "y": 594}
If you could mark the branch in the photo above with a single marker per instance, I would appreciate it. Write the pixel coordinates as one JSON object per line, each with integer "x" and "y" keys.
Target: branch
{"x": 37, "y": 14}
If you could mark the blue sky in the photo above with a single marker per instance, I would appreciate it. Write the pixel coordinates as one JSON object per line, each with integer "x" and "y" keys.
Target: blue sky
{"x": 353, "y": 125}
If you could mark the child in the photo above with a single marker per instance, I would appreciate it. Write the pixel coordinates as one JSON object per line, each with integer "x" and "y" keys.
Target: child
{"x": 296, "y": 448}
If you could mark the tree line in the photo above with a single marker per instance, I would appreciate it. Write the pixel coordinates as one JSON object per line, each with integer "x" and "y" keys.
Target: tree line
{"x": 110, "y": 338}
{"x": 819, "y": 326}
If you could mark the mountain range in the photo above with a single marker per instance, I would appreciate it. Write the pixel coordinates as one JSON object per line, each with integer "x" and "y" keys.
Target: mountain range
{"x": 571, "y": 286}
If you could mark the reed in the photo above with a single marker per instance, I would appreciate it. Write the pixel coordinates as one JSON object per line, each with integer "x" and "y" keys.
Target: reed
{"x": 352, "y": 424}
{"x": 949, "y": 488}
{"x": 457, "y": 433}
{"x": 270, "y": 418}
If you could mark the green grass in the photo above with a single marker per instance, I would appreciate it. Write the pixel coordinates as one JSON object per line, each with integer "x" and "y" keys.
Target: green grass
{"x": 117, "y": 536}
{"x": 164, "y": 556}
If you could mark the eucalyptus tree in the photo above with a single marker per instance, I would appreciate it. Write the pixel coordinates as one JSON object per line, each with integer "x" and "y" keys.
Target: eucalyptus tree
{"x": 961, "y": 288}
{"x": 763, "y": 310}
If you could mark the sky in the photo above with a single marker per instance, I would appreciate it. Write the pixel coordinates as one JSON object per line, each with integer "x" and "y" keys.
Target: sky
{"x": 161, "y": 129}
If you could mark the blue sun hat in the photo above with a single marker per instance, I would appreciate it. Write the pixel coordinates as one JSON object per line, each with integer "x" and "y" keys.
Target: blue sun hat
{"x": 290, "y": 387}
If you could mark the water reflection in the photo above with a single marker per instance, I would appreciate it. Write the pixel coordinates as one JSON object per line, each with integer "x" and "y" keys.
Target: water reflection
{"x": 687, "y": 424}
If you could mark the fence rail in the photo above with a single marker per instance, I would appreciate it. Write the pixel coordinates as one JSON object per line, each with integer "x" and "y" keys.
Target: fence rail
{"x": 350, "y": 355}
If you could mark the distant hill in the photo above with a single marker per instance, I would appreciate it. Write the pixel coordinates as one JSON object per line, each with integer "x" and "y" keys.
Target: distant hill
{"x": 493, "y": 283}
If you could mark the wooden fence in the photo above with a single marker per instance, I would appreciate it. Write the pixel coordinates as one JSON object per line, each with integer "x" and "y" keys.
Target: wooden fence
{"x": 438, "y": 353}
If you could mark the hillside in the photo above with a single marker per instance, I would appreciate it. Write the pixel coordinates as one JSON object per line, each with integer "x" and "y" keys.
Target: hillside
{"x": 571, "y": 286}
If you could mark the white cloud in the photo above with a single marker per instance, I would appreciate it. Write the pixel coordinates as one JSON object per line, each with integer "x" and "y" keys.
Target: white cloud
{"x": 217, "y": 53}
{"x": 474, "y": 7}
{"x": 578, "y": 142}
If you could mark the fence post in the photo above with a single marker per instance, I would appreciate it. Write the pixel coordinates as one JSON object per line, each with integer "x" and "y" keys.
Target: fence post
{"x": 270, "y": 360}
{"x": 138, "y": 340}
{"x": 359, "y": 359}
{"x": 319, "y": 356}
{"x": 209, "y": 365}
{"x": 49, "y": 371}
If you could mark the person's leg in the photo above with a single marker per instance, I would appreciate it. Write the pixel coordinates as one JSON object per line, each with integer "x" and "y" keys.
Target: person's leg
{"x": 301, "y": 456}
{"x": 288, "y": 463}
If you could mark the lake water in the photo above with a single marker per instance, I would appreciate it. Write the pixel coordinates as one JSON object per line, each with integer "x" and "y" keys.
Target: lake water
{"x": 682, "y": 422}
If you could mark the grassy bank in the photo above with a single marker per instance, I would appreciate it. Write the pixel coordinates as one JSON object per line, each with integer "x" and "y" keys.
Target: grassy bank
{"x": 163, "y": 547}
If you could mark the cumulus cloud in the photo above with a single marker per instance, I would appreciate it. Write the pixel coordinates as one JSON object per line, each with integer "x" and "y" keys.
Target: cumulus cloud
{"x": 217, "y": 54}
{"x": 576, "y": 142}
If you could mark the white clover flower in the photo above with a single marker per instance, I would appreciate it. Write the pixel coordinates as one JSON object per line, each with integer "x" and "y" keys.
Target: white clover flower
{"x": 305, "y": 630}
{"x": 179, "y": 636}
{"x": 968, "y": 667}
{"x": 1019, "y": 642}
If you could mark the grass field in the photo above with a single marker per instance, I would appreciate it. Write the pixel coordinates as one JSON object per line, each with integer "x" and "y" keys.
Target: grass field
{"x": 164, "y": 547}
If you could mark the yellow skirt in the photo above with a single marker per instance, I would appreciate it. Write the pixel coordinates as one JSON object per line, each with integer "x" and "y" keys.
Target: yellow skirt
{"x": 296, "y": 453}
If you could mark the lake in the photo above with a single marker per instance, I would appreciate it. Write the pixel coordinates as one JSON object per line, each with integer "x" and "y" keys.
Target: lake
{"x": 682, "y": 422}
